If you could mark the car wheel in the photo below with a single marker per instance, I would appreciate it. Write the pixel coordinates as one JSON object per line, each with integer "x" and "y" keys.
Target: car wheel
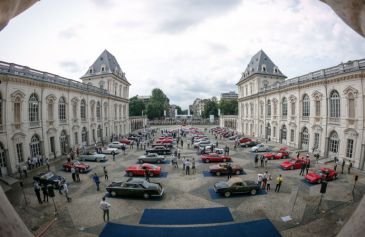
{"x": 130, "y": 174}
{"x": 113, "y": 193}
{"x": 218, "y": 173}
{"x": 207, "y": 161}
{"x": 238, "y": 172}
{"x": 292, "y": 167}
{"x": 253, "y": 191}
{"x": 227, "y": 194}
{"x": 158, "y": 161}
{"x": 319, "y": 181}
{"x": 146, "y": 195}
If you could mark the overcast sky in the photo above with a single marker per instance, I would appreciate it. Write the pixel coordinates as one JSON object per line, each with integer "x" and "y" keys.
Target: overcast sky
{"x": 188, "y": 48}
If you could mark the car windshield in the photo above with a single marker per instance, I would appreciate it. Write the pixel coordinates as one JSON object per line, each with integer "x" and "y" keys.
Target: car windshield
{"x": 319, "y": 172}
{"x": 149, "y": 166}
{"x": 145, "y": 184}
{"x": 223, "y": 165}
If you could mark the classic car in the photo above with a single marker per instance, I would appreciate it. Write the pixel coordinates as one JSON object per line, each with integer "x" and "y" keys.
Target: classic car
{"x": 295, "y": 163}
{"x": 90, "y": 156}
{"x": 321, "y": 174}
{"x": 201, "y": 143}
{"x": 221, "y": 168}
{"x": 117, "y": 145}
{"x": 49, "y": 178}
{"x": 139, "y": 170}
{"x": 249, "y": 144}
{"x": 234, "y": 137}
{"x": 109, "y": 150}
{"x": 151, "y": 158}
{"x": 245, "y": 140}
{"x": 135, "y": 187}
{"x": 126, "y": 141}
{"x": 261, "y": 148}
{"x": 277, "y": 156}
{"x": 83, "y": 168}
{"x": 160, "y": 150}
{"x": 214, "y": 157}
{"x": 236, "y": 185}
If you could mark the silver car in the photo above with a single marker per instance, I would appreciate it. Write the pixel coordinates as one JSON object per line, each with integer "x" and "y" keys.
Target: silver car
{"x": 151, "y": 158}
{"x": 88, "y": 156}
{"x": 116, "y": 145}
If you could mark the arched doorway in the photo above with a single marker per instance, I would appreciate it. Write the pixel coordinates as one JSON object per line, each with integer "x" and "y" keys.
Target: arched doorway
{"x": 3, "y": 161}
{"x": 35, "y": 146}
{"x": 333, "y": 144}
{"x": 305, "y": 139}
{"x": 283, "y": 134}
{"x": 63, "y": 142}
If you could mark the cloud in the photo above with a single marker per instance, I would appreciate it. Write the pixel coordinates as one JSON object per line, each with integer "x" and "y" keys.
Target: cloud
{"x": 70, "y": 66}
{"x": 104, "y": 3}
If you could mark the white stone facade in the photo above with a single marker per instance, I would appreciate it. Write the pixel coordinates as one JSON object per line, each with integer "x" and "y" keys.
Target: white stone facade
{"x": 323, "y": 110}
{"x": 42, "y": 113}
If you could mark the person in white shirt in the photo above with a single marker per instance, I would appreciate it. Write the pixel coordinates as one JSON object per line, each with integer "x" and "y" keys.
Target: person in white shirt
{"x": 65, "y": 191}
{"x": 104, "y": 205}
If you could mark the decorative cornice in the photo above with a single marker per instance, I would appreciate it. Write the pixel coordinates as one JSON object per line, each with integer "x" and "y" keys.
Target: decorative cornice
{"x": 349, "y": 90}
{"x": 317, "y": 95}
{"x": 17, "y": 95}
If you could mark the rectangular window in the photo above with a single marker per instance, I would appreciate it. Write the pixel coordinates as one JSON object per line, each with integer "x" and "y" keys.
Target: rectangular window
{"x": 352, "y": 108}
{"x": 53, "y": 146}
{"x": 318, "y": 108}
{"x": 292, "y": 108}
{"x": 76, "y": 138}
{"x": 292, "y": 135}
{"x": 316, "y": 140}
{"x": 350, "y": 147}
{"x": 17, "y": 112}
{"x": 274, "y": 132}
{"x": 74, "y": 112}
{"x": 19, "y": 152}
{"x": 50, "y": 112}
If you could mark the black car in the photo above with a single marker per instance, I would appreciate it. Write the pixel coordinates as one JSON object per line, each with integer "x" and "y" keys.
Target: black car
{"x": 236, "y": 185}
{"x": 135, "y": 187}
{"x": 160, "y": 150}
{"x": 249, "y": 144}
{"x": 49, "y": 178}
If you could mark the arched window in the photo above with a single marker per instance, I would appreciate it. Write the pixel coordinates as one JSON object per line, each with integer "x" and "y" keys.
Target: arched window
{"x": 35, "y": 148}
{"x": 268, "y": 130}
{"x": 90, "y": 70}
{"x": 251, "y": 110}
{"x": 62, "y": 109}
{"x": 63, "y": 142}
{"x": 115, "y": 111}
{"x": 334, "y": 104}
{"x": 269, "y": 108}
{"x": 333, "y": 142}
{"x": 34, "y": 110}
{"x": 17, "y": 110}
{"x": 306, "y": 106}
{"x": 283, "y": 132}
{"x": 351, "y": 105}
{"x": 83, "y": 109}
{"x": 99, "y": 133}
{"x": 305, "y": 136}
{"x": 284, "y": 107}
{"x": 262, "y": 109}
{"x": 263, "y": 68}
{"x": 98, "y": 110}
{"x": 84, "y": 135}
{"x": 2, "y": 157}
{"x": 246, "y": 110}
{"x": 105, "y": 111}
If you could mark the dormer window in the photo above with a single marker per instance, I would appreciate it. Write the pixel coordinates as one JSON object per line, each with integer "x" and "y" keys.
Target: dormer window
{"x": 263, "y": 68}
{"x": 103, "y": 68}
{"x": 90, "y": 70}
{"x": 276, "y": 70}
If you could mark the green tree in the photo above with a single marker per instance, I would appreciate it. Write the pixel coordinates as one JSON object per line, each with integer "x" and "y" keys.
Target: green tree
{"x": 210, "y": 108}
{"x": 178, "y": 109}
{"x": 136, "y": 106}
{"x": 228, "y": 107}
{"x": 157, "y": 104}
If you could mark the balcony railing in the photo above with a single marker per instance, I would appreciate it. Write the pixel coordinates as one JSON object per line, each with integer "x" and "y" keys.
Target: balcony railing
{"x": 63, "y": 121}
{"x": 50, "y": 122}
{"x": 334, "y": 120}
{"x": 17, "y": 125}
{"x": 305, "y": 118}
{"x": 84, "y": 120}
{"x": 33, "y": 124}
{"x": 283, "y": 117}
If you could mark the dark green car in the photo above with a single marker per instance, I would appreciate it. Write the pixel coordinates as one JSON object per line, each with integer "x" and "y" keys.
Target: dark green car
{"x": 236, "y": 186}
{"x": 135, "y": 187}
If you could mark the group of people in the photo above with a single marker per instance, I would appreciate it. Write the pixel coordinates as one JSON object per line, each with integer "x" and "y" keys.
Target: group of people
{"x": 263, "y": 160}
{"x": 35, "y": 162}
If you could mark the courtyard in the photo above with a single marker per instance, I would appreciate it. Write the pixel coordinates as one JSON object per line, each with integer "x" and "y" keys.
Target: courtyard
{"x": 297, "y": 198}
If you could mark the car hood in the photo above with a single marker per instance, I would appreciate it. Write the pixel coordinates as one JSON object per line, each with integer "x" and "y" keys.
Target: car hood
{"x": 56, "y": 178}
{"x": 312, "y": 176}
{"x": 286, "y": 164}
{"x": 251, "y": 183}
{"x": 221, "y": 184}
{"x": 213, "y": 167}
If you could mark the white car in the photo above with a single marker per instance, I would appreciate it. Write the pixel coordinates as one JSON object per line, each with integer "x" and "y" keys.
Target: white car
{"x": 109, "y": 150}
{"x": 201, "y": 143}
{"x": 261, "y": 148}
{"x": 117, "y": 145}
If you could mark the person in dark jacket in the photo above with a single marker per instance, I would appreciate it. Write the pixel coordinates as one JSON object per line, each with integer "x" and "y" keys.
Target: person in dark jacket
{"x": 45, "y": 193}
{"x": 229, "y": 171}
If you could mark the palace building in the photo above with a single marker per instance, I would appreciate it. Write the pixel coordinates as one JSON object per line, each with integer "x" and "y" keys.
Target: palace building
{"x": 322, "y": 110}
{"x": 43, "y": 113}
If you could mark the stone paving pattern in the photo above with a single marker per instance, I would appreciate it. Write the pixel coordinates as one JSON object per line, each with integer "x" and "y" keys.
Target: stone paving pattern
{"x": 83, "y": 217}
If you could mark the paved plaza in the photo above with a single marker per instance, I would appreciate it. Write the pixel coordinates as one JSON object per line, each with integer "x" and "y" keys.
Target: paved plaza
{"x": 83, "y": 217}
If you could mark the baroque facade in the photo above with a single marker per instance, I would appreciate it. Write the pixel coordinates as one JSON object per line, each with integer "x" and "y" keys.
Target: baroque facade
{"x": 42, "y": 113}
{"x": 323, "y": 110}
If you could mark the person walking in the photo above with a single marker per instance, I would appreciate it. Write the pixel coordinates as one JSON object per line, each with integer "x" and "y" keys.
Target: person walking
{"x": 104, "y": 205}
{"x": 307, "y": 165}
{"x": 256, "y": 160}
{"x": 265, "y": 161}
{"x": 349, "y": 167}
{"x": 45, "y": 192}
{"x": 342, "y": 166}
{"x": 97, "y": 181}
{"x": 298, "y": 154}
{"x": 182, "y": 143}
{"x": 264, "y": 180}
{"x": 113, "y": 153}
{"x": 147, "y": 174}
{"x": 73, "y": 173}
{"x": 302, "y": 168}
{"x": 187, "y": 167}
{"x": 25, "y": 168}
{"x": 47, "y": 163}
{"x": 279, "y": 181}
{"x": 261, "y": 161}
{"x": 259, "y": 179}
{"x": 268, "y": 182}
{"x": 183, "y": 162}
{"x": 106, "y": 174}
{"x": 65, "y": 191}
{"x": 77, "y": 173}
{"x": 193, "y": 165}
{"x": 37, "y": 190}
{"x": 335, "y": 166}
{"x": 229, "y": 171}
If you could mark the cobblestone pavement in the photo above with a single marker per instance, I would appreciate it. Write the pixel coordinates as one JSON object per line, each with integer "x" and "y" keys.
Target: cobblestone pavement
{"x": 83, "y": 217}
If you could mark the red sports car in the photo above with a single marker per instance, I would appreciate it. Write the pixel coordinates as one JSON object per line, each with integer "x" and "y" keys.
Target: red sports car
{"x": 83, "y": 168}
{"x": 222, "y": 169}
{"x": 245, "y": 140}
{"x": 214, "y": 157}
{"x": 292, "y": 164}
{"x": 139, "y": 170}
{"x": 268, "y": 155}
{"x": 126, "y": 141}
{"x": 321, "y": 174}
